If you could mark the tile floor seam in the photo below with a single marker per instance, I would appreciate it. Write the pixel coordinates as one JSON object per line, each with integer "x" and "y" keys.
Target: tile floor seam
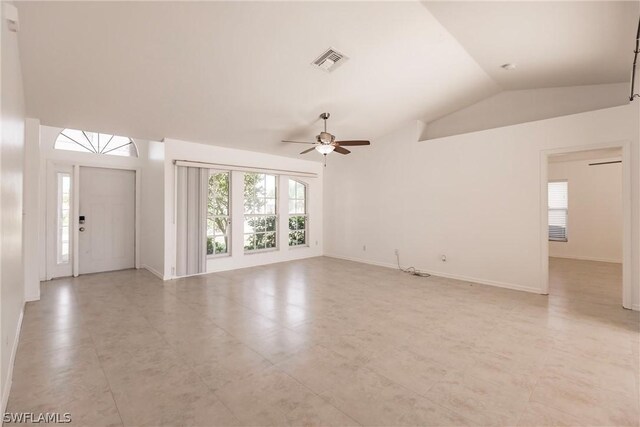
{"x": 169, "y": 346}
{"x": 315, "y": 394}
{"x": 195, "y": 372}
{"x": 202, "y": 380}
{"x": 95, "y": 350}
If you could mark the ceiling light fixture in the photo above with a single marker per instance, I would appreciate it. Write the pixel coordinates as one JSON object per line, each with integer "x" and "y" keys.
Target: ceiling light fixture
{"x": 508, "y": 66}
{"x": 325, "y": 148}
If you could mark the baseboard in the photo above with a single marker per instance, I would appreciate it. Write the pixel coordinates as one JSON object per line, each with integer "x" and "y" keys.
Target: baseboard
{"x": 585, "y": 258}
{"x": 153, "y": 271}
{"x": 7, "y": 386}
{"x": 362, "y": 261}
{"x": 511, "y": 286}
{"x": 635, "y": 307}
{"x": 33, "y": 297}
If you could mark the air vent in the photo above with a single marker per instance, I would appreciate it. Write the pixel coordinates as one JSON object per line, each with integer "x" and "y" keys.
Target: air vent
{"x": 330, "y": 60}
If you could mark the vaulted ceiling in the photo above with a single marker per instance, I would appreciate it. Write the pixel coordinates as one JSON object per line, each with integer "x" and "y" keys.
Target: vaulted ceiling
{"x": 238, "y": 74}
{"x": 552, "y": 43}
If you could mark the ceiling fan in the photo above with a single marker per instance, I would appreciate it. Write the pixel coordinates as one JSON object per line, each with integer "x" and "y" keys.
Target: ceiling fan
{"x": 326, "y": 142}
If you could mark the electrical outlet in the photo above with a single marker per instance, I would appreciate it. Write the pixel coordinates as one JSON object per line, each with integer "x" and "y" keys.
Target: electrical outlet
{"x": 444, "y": 258}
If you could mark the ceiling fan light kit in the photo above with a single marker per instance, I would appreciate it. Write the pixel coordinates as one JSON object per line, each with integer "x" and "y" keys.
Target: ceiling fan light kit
{"x": 325, "y": 149}
{"x": 326, "y": 142}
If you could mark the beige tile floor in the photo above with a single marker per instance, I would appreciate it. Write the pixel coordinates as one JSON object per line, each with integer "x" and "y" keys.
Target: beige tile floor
{"x": 330, "y": 342}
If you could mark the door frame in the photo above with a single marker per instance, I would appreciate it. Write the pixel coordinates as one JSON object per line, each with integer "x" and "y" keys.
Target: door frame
{"x": 51, "y": 220}
{"x": 75, "y": 197}
{"x": 627, "y": 290}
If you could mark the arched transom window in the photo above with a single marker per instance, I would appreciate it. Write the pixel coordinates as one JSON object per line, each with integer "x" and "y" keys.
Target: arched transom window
{"x": 97, "y": 143}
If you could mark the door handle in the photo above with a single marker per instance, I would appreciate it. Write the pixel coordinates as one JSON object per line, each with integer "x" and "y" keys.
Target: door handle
{"x": 81, "y": 228}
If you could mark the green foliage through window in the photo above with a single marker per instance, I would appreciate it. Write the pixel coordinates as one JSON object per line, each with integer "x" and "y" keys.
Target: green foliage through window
{"x": 297, "y": 213}
{"x": 260, "y": 208}
{"x": 218, "y": 214}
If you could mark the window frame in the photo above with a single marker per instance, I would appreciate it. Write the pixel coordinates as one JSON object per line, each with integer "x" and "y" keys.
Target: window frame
{"x": 305, "y": 215}
{"x": 275, "y": 215}
{"x": 228, "y": 216}
{"x": 60, "y": 194}
{"x": 89, "y": 148}
{"x": 566, "y": 211}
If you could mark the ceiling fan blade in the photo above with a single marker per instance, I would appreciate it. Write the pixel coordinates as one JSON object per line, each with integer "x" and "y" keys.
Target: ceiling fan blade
{"x": 348, "y": 143}
{"x": 298, "y": 142}
{"x": 341, "y": 150}
{"x": 310, "y": 149}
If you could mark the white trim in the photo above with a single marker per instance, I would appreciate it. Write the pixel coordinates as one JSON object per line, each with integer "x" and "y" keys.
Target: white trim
{"x": 75, "y": 221}
{"x": 51, "y": 163}
{"x": 636, "y": 307}
{"x": 586, "y": 258}
{"x": 9, "y": 379}
{"x": 241, "y": 267}
{"x": 153, "y": 271}
{"x": 32, "y": 297}
{"x": 206, "y": 165}
{"x": 52, "y": 268}
{"x": 511, "y": 286}
{"x": 137, "y": 209}
{"x": 627, "y": 289}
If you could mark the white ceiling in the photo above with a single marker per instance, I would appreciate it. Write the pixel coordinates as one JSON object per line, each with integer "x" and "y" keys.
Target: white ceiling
{"x": 239, "y": 74}
{"x": 553, "y": 43}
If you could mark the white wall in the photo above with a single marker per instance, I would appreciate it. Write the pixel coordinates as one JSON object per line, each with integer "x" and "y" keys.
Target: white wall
{"x": 181, "y": 150}
{"x": 11, "y": 196}
{"x": 152, "y": 211}
{"x": 475, "y": 197}
{"x": 520, "y": 106}
{"x": 30, "y": 229}
{"x": 595, "y": 210}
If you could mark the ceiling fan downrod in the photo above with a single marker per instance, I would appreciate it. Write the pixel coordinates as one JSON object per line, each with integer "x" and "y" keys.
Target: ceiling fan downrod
{"x": 325, "y": 117}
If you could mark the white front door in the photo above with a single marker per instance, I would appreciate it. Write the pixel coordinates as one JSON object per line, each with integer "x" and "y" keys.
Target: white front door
{"x": 107, "y": 231}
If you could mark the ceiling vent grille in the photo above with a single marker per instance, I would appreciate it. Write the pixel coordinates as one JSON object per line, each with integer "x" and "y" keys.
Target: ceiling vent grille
{"x": 330, "y": 60}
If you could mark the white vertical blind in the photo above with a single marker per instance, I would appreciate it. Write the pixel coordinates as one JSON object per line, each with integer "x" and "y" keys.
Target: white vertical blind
{"x": 558, "y": 210}
{"x": 191, "y": 222}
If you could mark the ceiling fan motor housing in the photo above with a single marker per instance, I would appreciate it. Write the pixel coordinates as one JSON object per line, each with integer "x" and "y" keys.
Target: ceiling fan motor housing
{"x": 326, "y": 138}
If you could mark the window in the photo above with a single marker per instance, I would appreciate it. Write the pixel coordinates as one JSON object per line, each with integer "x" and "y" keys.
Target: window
{"x": 297, "y": 213}
{"x": 260, "y": 211}
{"x": 97, "y": 143}
{"x": 218, "y": 214}
{"x": 558, "y": 210}
{"x": 64, "y": 212}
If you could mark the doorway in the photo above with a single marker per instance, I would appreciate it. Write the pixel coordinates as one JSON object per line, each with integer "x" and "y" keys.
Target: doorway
{"x": 587, "y": 216}
{"x": 91, "y": 220}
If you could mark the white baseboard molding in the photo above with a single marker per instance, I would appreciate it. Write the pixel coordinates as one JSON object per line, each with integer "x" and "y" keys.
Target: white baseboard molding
{"x": 30, "y": 298}
{"x": 585, "y": 258}
{"x": 9, "y": 379}
{"x": 363, "y": 261}
{"x": 635, "y": 307}
{"x": 511, "y": 286}
{"x": 153, "y": 271}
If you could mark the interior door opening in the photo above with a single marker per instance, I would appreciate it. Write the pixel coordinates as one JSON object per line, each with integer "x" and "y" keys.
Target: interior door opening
{"x": 585, "y": 226}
